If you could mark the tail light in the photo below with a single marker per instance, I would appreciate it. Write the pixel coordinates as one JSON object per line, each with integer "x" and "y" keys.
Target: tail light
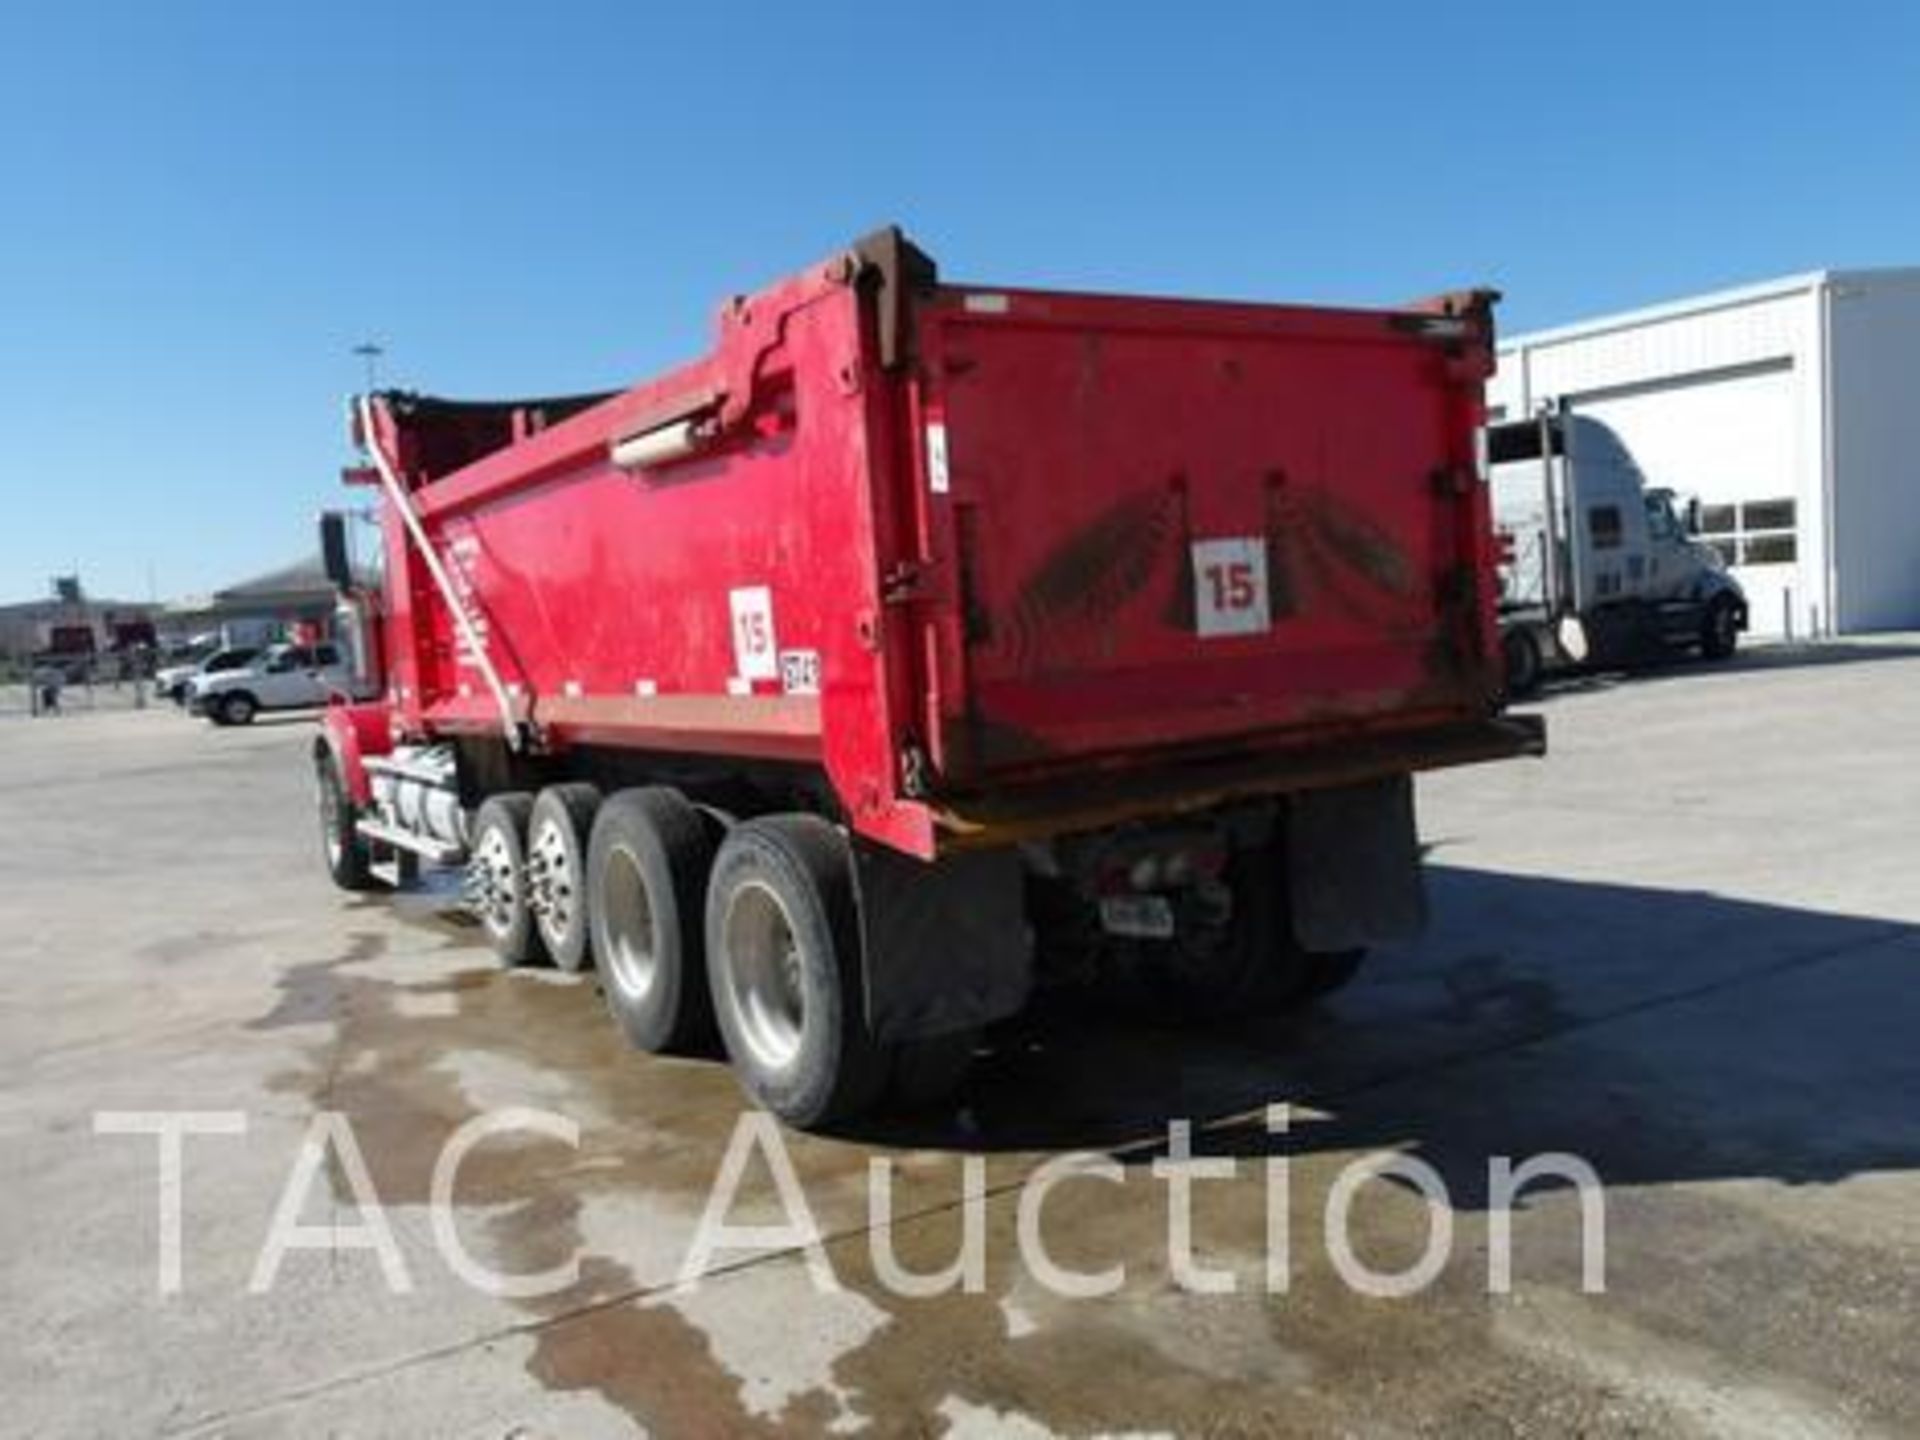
{"x": 1170, "y": 866}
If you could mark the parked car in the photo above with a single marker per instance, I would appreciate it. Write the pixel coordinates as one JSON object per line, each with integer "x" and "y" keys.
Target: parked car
{"x": 172, "y": 680}
{"x": 285, "y": 677}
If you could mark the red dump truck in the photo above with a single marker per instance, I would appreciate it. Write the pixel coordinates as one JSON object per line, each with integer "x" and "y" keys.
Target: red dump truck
{"x": 927, "y": 642}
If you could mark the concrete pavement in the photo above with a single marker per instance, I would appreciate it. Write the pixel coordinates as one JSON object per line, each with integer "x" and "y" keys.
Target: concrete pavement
{"x": 1685, "y": 948}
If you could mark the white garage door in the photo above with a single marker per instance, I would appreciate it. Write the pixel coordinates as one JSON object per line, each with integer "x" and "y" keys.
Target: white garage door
{"x": 1733, "y": 440}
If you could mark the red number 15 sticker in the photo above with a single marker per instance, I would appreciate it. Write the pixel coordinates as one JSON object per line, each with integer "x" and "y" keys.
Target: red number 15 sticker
{"x": 1230, "y": 586}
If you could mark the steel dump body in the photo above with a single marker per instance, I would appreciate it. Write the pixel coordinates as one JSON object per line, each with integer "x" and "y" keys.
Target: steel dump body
{"x": 998, "y": 562}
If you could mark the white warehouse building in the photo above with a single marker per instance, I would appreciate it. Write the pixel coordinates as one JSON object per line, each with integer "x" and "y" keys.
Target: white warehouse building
{"x": 1790, "y": 410}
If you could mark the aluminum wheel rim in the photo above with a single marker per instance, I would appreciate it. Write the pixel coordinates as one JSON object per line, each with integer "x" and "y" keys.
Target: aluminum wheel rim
{"x": 495, "y": 886}
{"x": 765, "y": 981}
{"x": 329, "y": 816}
{"x": 553, "y": 883}
{"x": 633, "y": 955}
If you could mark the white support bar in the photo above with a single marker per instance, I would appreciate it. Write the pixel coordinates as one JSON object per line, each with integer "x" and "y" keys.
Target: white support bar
{"x": 397, "y": 494}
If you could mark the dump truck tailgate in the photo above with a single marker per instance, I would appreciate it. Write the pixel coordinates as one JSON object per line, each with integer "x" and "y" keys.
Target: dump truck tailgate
{"x": 1178, "y": 523}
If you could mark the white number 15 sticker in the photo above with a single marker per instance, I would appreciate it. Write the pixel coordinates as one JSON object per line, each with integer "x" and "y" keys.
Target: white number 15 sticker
{"x": 1230, "y": 586}
{"x": 755, "y": 650}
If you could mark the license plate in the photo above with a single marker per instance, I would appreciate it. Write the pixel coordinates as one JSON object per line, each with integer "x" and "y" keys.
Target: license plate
{"x": 1137, "y": 917}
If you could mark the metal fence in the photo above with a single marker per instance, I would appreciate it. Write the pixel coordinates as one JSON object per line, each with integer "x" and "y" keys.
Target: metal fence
{"x": 20, "y": 700}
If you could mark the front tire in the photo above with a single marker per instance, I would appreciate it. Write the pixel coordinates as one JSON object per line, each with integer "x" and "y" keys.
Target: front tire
{"x": 497, "y": 878}
{"x": 347, "y": 856}
{"x": 239, "y": 708}
{"x": 1720, "y": 629}
{"x": 783, "y": 950}
{"x": 647, "y": 865}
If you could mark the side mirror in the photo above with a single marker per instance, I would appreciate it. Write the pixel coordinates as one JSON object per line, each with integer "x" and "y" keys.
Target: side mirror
{"x": 353, "y": 629}
{"x": 1693, "y": 515}
{"x": 333, "y": 549}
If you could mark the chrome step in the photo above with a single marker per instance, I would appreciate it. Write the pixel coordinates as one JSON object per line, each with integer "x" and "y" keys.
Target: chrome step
{"x": 424, "y": 846}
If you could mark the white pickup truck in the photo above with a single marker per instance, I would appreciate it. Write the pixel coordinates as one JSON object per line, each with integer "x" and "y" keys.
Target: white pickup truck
{"x": 283, "y": 677}
{"x": 175, "y": 680}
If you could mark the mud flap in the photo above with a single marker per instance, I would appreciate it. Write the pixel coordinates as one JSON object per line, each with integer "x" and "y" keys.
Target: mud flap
{"x": 1353, "y": 866}
{"x": 944, "y": 946}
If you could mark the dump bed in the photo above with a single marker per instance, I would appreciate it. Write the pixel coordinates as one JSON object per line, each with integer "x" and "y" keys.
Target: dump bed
{"x": 996, "y": 561}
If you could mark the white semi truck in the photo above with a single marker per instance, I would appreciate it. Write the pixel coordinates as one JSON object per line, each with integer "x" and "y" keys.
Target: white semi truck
{"x": 1596, "y": 566}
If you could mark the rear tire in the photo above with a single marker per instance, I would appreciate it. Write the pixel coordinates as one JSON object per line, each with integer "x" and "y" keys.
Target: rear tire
{"x": 783, "y": 949}
{"x": 1720, "y": 629}
{"x": 557, "y": 833}
{"x": 497, "y": 878}
{"x": 647, "y": 864}
{"x": 1327, "y": 974}
{"x": 1250, "y": 965}
{"x": 347, "y": 856}
{"x": 929, "y": 1070}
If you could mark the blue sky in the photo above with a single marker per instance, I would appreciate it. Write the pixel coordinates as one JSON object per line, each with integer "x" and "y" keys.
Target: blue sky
{"x": 204, "y": 206}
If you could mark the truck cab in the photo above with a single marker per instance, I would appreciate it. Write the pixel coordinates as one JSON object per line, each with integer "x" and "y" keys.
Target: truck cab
{"x": 1597, "y": 565}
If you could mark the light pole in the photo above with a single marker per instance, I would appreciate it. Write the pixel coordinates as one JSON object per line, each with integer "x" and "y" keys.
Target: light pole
{"x": 370, "y": 351}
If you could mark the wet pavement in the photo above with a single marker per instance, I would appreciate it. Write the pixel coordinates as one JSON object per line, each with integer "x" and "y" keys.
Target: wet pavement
{"x": 1684, "y": 949}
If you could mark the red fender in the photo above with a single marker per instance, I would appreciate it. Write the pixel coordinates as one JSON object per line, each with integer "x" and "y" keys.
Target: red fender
{"x": 351, "y": 733}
